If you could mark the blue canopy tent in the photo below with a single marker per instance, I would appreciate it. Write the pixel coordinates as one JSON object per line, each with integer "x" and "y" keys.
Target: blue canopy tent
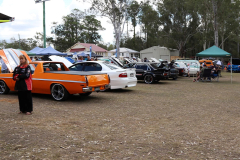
{"x": 214, "y": 51}
{"x": 50, "y": 51}
{"x": 82, "y": 54}
{"x": 85, "y": 54}
{"x": 36, "y": 50}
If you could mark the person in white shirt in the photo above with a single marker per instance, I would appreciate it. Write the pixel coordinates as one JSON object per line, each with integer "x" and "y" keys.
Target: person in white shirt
{"x": 4, "y": 68}
{"x": 188, "y": 69}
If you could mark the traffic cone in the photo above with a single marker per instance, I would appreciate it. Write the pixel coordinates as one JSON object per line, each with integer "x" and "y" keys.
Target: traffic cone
{"x": 225, "y": 68}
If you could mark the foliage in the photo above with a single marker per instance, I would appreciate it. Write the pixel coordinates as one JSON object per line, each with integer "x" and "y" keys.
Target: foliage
{"x": 76, "y": 27}
{"x": 116, "y": 11}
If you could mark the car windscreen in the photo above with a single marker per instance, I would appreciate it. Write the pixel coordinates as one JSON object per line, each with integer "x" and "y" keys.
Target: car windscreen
{"x": 77, "y": 67}
{"x": 92, "y": 67}
{"x": 53, "y": 67}
{"x": 155, "y": 65}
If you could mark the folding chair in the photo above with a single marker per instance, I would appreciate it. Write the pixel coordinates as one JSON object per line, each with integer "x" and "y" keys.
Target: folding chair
{"x": 216, "y": 76}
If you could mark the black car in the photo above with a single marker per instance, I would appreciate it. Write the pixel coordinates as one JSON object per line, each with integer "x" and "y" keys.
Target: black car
{"x": 173, "y": 72}
{"x": 149, "y": 72}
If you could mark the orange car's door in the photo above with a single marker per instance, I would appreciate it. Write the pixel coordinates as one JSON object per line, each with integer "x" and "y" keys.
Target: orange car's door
{"x": 41, "y": 83}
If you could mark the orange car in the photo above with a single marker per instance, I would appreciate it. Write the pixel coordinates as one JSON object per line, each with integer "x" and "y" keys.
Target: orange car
{"x": 208, "y": 63}
{"x": 55, "y": 78}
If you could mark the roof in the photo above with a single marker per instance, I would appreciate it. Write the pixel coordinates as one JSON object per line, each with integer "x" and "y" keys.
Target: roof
{"x": 214, "y": 51}
{"x": 124, "y": 50}
{"x": 94, "y": 47}
{"x": 77, "y": 50}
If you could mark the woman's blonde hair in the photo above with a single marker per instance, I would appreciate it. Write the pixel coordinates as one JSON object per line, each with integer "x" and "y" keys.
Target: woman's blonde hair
{"x": 23, "y": 57}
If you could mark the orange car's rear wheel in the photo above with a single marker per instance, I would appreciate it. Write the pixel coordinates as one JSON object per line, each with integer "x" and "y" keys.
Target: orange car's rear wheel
{"x": 59, "y": 92}
{"x": 3, "y": 88}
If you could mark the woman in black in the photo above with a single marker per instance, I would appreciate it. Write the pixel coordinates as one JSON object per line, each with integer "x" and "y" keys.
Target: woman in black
{"x": 23, "y": 77}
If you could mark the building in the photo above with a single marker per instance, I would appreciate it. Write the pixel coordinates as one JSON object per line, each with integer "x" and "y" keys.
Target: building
{"x": 78, "y": 47}
{"x": 159, "y": 53}
{"x": 124, "y": 52}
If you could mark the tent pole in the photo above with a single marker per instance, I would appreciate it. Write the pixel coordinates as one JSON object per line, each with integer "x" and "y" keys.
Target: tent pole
{"x": 231, "y": 69}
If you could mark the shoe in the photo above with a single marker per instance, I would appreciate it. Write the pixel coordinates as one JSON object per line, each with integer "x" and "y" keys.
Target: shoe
{"x": 28, "y": 113}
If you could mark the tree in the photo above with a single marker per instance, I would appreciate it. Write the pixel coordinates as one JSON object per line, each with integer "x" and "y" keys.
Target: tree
{"x": 133, "y": 13}
{"x": 76, "y": 27}
{"x": 222, "y": 15}
{"x": 116, "y": 11}
{"x": 179, "y": 22}
{"x": 104, "y": 46}
{"x": 110, "y": 47}
{"x": 70, "y": 32}
{"x": 91, "y": 27}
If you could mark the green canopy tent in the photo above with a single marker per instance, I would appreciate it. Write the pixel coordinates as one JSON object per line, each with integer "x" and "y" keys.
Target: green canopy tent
{"x": 4, "y": 18}
{"x": 214, "y": 51}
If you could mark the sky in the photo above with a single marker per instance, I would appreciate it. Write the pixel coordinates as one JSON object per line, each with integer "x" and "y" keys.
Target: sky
{"x": 29, "y": 18}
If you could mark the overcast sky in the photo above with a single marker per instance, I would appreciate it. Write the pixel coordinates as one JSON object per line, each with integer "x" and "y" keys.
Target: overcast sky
{"x": 29, "y": 17}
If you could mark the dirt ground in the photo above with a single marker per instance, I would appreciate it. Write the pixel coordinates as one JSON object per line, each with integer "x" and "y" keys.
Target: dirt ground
{"x": 167, "y": 120}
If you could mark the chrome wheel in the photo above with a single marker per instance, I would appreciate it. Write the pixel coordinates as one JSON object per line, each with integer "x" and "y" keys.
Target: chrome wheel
{"x": 3, "y": 88}
{"x": 59, "y": 92}
{"x": 148, "y": 79}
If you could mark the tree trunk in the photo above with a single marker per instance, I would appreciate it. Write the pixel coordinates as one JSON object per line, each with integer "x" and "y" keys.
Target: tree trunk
{"x": 215, "y": 22}
{"x": 204, "y": 45}
{"x": 238, "y": 50}
{"x": 222, "y": 42}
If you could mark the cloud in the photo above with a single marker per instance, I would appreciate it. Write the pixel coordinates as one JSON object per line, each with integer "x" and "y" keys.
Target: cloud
{"x": 29, "y": 17}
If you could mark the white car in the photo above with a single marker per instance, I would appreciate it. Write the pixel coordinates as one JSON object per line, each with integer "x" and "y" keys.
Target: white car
{"x": 119, "y": 77}
{"x": 194, "y": 66}
{"x": 182, "y": 65}
{"x": 60, "y": 59}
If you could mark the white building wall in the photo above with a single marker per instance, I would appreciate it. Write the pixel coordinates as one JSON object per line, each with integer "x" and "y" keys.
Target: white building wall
{"x": 156, "y": 52}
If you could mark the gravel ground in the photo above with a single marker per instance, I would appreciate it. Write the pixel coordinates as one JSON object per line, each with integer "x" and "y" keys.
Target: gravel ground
{"x": 167, "y": 120}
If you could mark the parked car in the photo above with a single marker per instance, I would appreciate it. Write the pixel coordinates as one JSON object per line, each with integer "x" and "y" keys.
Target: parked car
{"x": 183, "y": 71}
{"x": 208, "y": 63}
{"x": 194, "y": 65}
{"x": 111, "y": 60}
{"x": 235, "y": 65}
{"x": 66, "y": 62}
{"x": 173, "y": 72}
{"x": 55, "y": 78}
{"x": 149, "y": 72}
{"x": 119, "y": 77}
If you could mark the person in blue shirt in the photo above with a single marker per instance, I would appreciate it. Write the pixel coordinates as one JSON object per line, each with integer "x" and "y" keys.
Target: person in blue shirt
{"x": 80, "y": 59}
{"x": 4, "y": 68}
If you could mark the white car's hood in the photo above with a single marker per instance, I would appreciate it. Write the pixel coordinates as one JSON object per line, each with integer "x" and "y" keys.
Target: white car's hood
{"x": 61, "y": 59}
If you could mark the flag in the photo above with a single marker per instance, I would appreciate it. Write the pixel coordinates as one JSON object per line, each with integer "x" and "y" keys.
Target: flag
{"x": 90, "y": 52}
{"x": 116, "y": 52}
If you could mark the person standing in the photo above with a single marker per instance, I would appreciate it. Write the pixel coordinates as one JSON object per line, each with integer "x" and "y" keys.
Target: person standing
{"x": 88, "y": 58}
{"x": 23, "y": 77}
{"x": 188, "y": 69}
{"x": 4, "y": 68}
{"x": 80, "y": 59}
